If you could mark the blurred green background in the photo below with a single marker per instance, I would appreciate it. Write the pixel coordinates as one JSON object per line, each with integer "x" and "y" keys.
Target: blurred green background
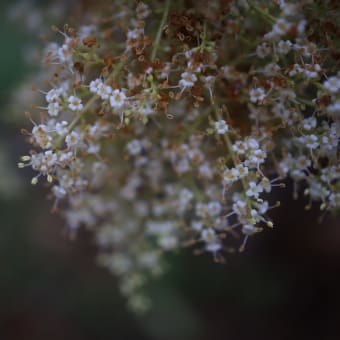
{"x": 284, "y": 286}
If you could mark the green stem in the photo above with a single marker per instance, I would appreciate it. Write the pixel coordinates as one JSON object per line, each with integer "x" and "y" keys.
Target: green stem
{"x": 160, "y": 29}
{"x": 231, "y": 151}
{"x": 269, "y": 18}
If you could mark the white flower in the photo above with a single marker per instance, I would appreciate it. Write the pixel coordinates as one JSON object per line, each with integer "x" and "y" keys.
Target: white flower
{"x": 284, "y": 46}
{"x": 240, "y": 147}
{"x": 309, "y": 123}
{"x": 208, "y": 235}
{"x": 44, "y": 162}
{"x": 334, "y": 200}
{"x": 75, "y": 103}
{"x": 310, "y": 141}
{"x": 332, "y": 84}
{"x": 93, "y": 148}
{"x": 249, "y": 229}
{"x": 134, "y": 33}
{"x": 65, "y": 54}
{"x": 65, "y": 157}
{"x": 197, "y": 225}
{"x": 117, "y": 98}
{"x": 134, "y": 147}
{"x": 119, "y": 263}
{"x": 221, "y": 127}
{"x": 252, "y": 143}
{"x": 73, "y": 139}
{"x": 104, "y": 91}
{"x": 257, "y": 94}
{"x": 297, "y": 69}
{"x": 213, "y": 247}
{"x": 95, "y": 85}
{"x": 302, "y": 162}
{"x": 41, "y": 136}
{"x": 255, "y": 158}
{"x": 240, "y": 207}
{"x": 61, "y": 128}
{"x": 263, "y": 50}
{"x": 242, "y": 170}
{"x": 185, "y": 196}
{"x": 334, "y": 109}
{"x": 230, "y": 176}
{"x": 142, "y": 10}
{"x": 214, "y": 208}
{"x": 53, "y": 95}
{"x": 281, "y": 27}
{"x": 53, "y": 109}
{"x": 201, "y": 210}
{"x": 254, "y": 190}
{"x": 58, "y": 191}
{"x": 205, "y": 170}
{"x": 213, "y": 243}
{"x": 168, "y": 242}
{"x": 188, "y": 79}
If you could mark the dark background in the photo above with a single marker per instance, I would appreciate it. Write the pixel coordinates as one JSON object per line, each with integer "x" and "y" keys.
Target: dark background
{"x": 286, "y": 285}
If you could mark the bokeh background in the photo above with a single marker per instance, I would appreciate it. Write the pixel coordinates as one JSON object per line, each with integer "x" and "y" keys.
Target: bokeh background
{"x": 284, "y": 286}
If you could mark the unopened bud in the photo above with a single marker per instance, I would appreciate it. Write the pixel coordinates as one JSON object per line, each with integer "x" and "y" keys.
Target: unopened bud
{"x": 270, "y": 224}
{"x": 34, "y": 180}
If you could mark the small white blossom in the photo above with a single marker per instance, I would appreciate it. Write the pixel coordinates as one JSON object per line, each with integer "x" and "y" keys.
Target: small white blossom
{"x": 256, "y": 158}
{"x": 61, "y": 128}
{"x": 249, "y": 229}
{"x": 41, "y": 136}
{"x": 230, "y": 176}
{"x": 188, "y": 80}
{"x": 284, "y": 46}
{"x": 281, "y": 27}
{"x": 208, "y": 235}
{"x": 95, "y": 85}
{"x": 334, "y": 200}
{"x": 257, "y": 94}
{"x": 309, "y": 123}
{"x": 263, "y": 50}
{"x": 168, "y": 242}
{"x": 310, "y": 141}
{"x": 254, "y": 189}
{"x": 65, "y": 54}
{"x": 53, "y": 95}
{"x": 240, "y": 147}
{"x": 197, "y": 225}
{"x": 185, "y": 196}
{"x": 53, "y": 109}
{"x": 73, "y": 139}
{"x": 117, "y": 98}
{"x": 75, "y": 103}
{"x": 104, "y": 91}
{"x": 59, "y": 192}
{"x": 221, "y": 127}
{"x": 134, "y": 147}
{"x": 214, "y": 208}
{"x": 332, "y": 84}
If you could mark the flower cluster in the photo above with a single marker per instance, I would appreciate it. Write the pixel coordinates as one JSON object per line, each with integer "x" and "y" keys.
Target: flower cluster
{"x": 166, "y": 127}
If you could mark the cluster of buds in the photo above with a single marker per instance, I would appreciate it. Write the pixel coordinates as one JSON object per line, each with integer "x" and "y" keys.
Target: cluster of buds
{"x": 166, "y": 127}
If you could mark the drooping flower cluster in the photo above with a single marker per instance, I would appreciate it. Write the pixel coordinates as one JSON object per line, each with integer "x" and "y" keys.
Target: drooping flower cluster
{"x": 167, "y": 126}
